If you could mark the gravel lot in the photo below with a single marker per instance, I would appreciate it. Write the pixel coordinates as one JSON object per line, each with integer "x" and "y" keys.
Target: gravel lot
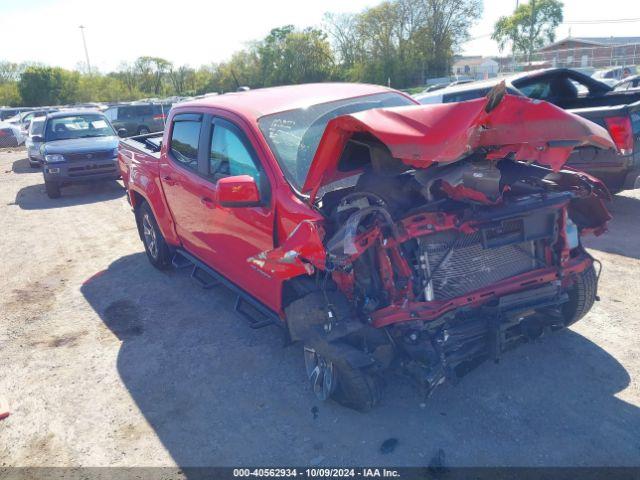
{"x": 106, "y": 361}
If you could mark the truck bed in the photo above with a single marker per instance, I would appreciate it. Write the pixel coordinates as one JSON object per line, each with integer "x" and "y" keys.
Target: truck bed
{"x": 148, "y": 144}
{"x": 141, "y": 149}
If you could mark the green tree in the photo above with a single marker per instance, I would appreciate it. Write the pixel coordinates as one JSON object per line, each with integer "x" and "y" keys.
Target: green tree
{"x": 9, "y": 94}
{"x": 402, "y": 41}
{"x": 48, "y": 86}
{"x": 529, "y": 27}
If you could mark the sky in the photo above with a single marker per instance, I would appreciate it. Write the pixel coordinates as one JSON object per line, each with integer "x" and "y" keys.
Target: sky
{"x": 198, "y": 32}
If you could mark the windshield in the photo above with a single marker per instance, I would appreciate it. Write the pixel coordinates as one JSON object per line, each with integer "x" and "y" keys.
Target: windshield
{"x": 294, "y": 135}
{"x": 78, "y": 126}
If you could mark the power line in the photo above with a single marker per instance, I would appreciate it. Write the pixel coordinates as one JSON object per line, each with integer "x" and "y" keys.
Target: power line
{"x": 591, "y": 22}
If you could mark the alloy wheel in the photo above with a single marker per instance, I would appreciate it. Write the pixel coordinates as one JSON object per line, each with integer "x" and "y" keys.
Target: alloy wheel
{"x": 321, "y": 372}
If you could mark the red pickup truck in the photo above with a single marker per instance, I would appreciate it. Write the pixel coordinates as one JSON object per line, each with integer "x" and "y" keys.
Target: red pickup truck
{"x": 377, "y": 232}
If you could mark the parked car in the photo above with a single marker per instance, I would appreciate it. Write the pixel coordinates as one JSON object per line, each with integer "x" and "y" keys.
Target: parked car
{"x": 10, "y": 135}
{"x": 9, "y": 112}
{"x": 628, "y": 83}
{"x": 377, "y": 232}
{"x": 28, "y": 117}
{"x": 611, "y": 76}
{"x": 138, "y": 119}
{"x": 618, "y": 111}
{"x": 79, "y": 146}
{"x": 34, "y": 142}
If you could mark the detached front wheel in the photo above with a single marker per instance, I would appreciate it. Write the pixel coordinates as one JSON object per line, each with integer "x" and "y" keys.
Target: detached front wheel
{"x": 351, "y": 387}
{"x": 155, "y": 245}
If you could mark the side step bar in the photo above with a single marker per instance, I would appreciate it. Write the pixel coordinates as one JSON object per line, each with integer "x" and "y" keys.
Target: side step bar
{"x": 207, "y": 278}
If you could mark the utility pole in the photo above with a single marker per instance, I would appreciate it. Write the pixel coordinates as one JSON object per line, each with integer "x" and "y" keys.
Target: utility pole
{"x": 86, "y": 52}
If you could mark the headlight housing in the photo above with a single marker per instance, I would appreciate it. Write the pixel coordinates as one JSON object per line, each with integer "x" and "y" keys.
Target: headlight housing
{"x": 54, "y": 158}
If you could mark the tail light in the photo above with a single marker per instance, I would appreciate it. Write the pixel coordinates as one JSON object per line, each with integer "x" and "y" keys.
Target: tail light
{"x": 621, "y": 133}
{"x": 160, "y": 117}
{"x": 5, "y": 133}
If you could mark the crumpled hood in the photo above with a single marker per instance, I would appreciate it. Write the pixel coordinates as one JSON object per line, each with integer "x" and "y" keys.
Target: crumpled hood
{"x": 530, "y": 130}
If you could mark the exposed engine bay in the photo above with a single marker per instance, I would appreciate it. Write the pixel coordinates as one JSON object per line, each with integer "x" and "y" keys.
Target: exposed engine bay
{"x": 435, "y": 269}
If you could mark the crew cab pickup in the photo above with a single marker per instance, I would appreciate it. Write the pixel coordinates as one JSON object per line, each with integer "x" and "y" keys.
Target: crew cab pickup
{"x": 616, "y": 110}
{"x": 379, "y": 233}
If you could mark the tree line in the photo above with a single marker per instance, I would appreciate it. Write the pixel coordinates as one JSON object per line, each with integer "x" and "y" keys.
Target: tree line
{"x": 398, "y": 42}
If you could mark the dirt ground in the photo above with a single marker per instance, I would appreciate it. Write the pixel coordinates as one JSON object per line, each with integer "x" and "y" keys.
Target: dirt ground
{"x": 106, "y": 361}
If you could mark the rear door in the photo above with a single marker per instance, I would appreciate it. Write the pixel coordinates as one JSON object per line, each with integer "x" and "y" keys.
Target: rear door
{"x": 184, "y": 185}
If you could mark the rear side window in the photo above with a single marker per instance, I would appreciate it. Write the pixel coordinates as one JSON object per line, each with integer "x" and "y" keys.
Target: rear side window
{"x": 185, "y": 137}
{"x": 143, "y": 111}
{"x": 538, "y": 90}
{"x": 125, "y": 113}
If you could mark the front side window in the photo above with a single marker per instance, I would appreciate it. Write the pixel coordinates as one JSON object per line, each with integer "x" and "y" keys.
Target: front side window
{"x": 78, "y": 126}
{"x": 36, "y": 128}
{"x": 185, "y": 137}
{"x": 228, "y": 154}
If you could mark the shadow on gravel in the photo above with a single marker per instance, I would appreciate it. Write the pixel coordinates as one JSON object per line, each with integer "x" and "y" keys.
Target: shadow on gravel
{"x": 624, "y": 229}
{"x": 22, "y": 166}
{"x": 34, "y": 197}
{"x": 218, "y": 393}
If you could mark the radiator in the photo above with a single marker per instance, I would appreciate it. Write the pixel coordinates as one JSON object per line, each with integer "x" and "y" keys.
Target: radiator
{"x": 458, "y": 264}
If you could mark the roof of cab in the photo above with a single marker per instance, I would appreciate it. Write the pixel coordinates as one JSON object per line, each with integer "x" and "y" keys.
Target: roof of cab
{"x": 254, "y": 104}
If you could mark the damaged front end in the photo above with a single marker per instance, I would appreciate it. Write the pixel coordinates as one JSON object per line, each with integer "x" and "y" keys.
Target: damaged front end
{"x": 439, "y": 250}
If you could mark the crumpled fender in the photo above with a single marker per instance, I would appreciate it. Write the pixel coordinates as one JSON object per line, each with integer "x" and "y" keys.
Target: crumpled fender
{"x": 299, "y": 254}
{"x": 420, "y": 136}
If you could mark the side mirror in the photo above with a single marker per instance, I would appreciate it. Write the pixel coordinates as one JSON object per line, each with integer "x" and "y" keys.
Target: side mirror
{"x": 122, "y": 132}
{"x": 238, "y": 191}
{"x": 37, "y": 138}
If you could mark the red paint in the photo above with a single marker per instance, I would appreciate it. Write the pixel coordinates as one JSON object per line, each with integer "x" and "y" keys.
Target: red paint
{"x": 621, "y": 132}
{"x": 444, "y": 133}
{"x": 260, "y": 244}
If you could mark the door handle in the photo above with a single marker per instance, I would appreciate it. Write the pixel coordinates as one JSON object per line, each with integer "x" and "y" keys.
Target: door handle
{"x": 169, "y": 180}
{"x": 207, "y": 202}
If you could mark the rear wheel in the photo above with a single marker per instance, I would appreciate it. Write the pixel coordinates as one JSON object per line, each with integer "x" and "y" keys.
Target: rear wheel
{"x": 143, "y": 131}
{"x": 582, "y": 295}
{"x": 52, "y": 189}
{"x": 155, "y": 245}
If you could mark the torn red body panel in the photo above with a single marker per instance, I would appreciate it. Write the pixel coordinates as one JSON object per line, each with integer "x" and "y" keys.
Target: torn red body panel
{"x": 529, "y": 130}
{"x": 297, "y": 255}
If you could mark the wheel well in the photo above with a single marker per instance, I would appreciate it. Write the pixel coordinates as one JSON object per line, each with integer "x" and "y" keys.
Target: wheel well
{"x": 137, "y": 200}
{"x": 298, "y": 287}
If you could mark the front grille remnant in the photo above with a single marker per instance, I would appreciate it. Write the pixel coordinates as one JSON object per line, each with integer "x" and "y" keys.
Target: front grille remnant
{"x": 458, "y": 264}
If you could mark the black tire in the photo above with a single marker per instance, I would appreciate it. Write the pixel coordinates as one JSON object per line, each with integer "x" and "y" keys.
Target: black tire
{"x": 143, "y": 130}
{"x": 155, "y": 246}
{"x": 33, "y": 163}
{"x": 582, "y": 295}
{"x": 356, "y": 388}
{"x": 52, "y": 189}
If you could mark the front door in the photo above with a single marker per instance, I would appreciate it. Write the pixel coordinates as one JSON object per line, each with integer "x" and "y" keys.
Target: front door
{"x": 236, "y": 233}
